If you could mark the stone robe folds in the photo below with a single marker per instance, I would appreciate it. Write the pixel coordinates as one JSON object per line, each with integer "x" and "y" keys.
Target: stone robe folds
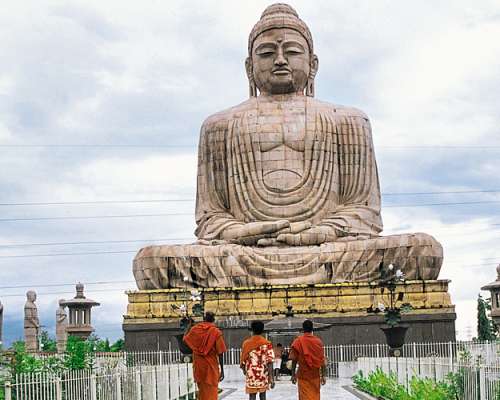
{"x": 338, "y": 187}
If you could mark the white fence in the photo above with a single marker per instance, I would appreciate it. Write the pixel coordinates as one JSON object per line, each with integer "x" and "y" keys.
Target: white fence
{"x": 342, "y": 359}
{"x": 165, "y": 382}
{"x": 476, "y": 381}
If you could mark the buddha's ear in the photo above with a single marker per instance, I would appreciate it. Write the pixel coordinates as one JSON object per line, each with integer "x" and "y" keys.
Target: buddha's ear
{"x": 314, "y": 65}
{"x": 251, "y": 81}
{"x": 313, "y": 69}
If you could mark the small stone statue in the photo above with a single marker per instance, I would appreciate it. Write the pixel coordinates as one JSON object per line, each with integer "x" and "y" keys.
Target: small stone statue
{"x": 61, "y": 324}
{"x": 31, "y": 322}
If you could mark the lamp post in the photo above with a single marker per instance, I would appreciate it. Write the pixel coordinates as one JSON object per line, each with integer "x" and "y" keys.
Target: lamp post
{"x": 80, "y": 321}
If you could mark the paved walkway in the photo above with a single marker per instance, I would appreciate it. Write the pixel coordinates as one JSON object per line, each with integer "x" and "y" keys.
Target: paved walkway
{"x": 285, "y": 390}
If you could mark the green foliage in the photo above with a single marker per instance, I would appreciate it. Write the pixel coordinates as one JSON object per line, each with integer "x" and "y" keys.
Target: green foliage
{"x": 103, "y": 346}
{"x": 23, "y": 362}
{"x": 379, "y": 384}
{"x": 198, "y": 309}
{"x": 48, "y": 344}
{"x": 79, "y": 353}
{"x": 392, "y": 316}
{"x": 485, "y": 327}
{"x": 119, "y": 345}
{"x": 386, "y": 386}
{"x": 457, "y": 383}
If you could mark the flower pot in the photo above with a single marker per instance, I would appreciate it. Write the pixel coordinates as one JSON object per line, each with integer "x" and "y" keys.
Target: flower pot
{"x": 395, "y": 335}
{"x": 183, "y": 347}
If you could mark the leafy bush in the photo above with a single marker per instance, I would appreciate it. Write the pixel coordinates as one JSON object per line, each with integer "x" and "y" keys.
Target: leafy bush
{"x": 386, "y": 386}
{"x": 79, "y": 353}
{"x": 47, "y": 343}
{"x": 379, "y": 384}
{"x": 23, "y": 362}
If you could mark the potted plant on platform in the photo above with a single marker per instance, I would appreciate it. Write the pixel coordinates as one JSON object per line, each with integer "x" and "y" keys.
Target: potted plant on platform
{"x": 187, "y": 318}
{"x": 394, "y": 330}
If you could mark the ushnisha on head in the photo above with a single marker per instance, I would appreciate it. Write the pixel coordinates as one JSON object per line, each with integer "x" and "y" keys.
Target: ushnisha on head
{"x": 281, "y": 58}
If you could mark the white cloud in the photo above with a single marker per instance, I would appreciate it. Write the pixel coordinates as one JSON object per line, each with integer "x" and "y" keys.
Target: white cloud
{"x": 146, "y": 177}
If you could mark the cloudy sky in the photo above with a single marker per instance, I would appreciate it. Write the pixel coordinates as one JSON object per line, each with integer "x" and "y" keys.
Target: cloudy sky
{"x": 101, "y": 104}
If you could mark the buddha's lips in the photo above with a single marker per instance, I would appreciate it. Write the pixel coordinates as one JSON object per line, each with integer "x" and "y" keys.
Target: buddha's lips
{"x": 281, "y": 71}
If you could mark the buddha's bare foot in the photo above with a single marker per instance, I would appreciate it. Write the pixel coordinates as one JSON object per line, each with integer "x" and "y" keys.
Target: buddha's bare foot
{"x": 354, "y": 237}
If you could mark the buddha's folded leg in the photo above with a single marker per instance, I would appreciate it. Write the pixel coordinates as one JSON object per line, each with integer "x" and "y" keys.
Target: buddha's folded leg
{"x": 419, "y": 256}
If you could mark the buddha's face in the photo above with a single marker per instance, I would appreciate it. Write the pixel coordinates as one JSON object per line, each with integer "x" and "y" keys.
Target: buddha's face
{"x": 281, "y": 61}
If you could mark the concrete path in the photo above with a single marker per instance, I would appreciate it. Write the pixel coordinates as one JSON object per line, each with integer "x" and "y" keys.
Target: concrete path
{"x": 235, "y": 390}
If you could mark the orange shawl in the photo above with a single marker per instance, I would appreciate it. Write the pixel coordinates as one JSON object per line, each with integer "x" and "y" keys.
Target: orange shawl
{"x": 202, "y": 337}
{"x": 250, "y": 344}
{"x": 311, "y": 347}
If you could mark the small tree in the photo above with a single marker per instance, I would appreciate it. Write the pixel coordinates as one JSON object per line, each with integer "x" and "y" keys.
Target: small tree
{"x": 48, "y": 344}
{"x": 485, "y": 327}
{"x": 119, "y": 345}
{"x": 79, "y": 353}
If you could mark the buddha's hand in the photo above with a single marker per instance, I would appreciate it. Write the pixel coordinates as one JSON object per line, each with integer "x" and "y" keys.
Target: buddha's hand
{"x": 249, "y": 234}
{"x": 295, "y": 227}
{"x": 309, "y": 237}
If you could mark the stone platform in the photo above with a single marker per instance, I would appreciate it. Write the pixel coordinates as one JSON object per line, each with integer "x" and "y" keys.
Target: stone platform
{"x": 152, "y": 320}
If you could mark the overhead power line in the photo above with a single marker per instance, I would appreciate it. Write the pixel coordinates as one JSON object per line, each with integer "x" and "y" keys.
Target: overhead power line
{"x": 443, "y": 192}
{"x": 387, "y": 231}
{"x": 89, "y": 242}
{"x": 58, "y": 203}
{"x": 178, "y": 214}
{"x": 92, "y": 217}
{"x": 82, "y": 253}
{"x": 121, "y": 289}
{"x": 95, "y": 283}
{"x": 35, "y": 286}
{"x": 106, "y": 146}
{"x": 51, "y": 293}
{"x": 441, "y": 204}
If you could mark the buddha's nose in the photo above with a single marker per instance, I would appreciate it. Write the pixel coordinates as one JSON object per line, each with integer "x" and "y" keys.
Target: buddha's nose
{"x": 280, "y": 59}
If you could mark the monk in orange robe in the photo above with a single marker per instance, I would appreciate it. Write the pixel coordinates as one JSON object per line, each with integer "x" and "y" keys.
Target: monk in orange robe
{"x": 307, "y": 350}
{"x": 207, "y": 343}
{"x": 257, "y": 358}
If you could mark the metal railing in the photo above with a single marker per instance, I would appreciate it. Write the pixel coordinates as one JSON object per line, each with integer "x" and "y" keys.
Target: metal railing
{"x": 122, "y": 374}
{"x": 341, "y": 358}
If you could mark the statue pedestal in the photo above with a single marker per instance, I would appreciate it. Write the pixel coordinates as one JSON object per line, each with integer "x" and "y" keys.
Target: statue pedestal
{"x": 152, "y": 321}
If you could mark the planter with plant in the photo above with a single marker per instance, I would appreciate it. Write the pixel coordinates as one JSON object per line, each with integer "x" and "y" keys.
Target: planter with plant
{"x": 193, "y": 301}
{"x": 394, "y": 330}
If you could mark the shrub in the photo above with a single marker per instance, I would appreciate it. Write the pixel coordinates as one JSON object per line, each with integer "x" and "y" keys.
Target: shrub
{"x": 386, "y": 386}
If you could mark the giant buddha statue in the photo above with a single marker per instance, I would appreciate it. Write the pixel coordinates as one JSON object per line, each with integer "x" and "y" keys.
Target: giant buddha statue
{"x": 288, "y": 189}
